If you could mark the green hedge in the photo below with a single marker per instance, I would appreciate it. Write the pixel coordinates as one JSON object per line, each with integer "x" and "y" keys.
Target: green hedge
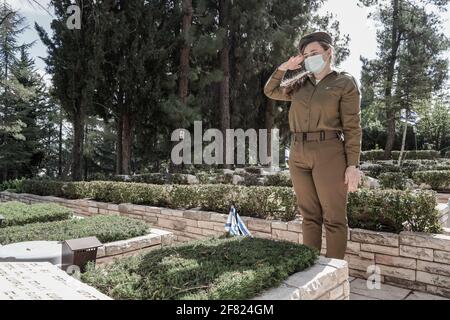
{"x": 437, "y": 179}
{"x": 278, "y": 179}
{"x": 261, "y": 202}
{"x": 408, "y": 154}
{"x": 17, "y": 213}
{"x": 216, "y": 268}
{"x": 384, "y": 210}
{"x": 371, "y": 155}
{"x": 394, "y": 210}
{"x": 393, "y": 180}
{"x": 419, "y": 154}
{"x": 12, "y": 185}
{"x": 105, "y": 228}
{"x": 408, "y": 167}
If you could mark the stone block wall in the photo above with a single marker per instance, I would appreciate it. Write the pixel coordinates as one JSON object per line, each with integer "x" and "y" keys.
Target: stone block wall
{"x": 326, "y": 280}
{"x": 417, "y": 261}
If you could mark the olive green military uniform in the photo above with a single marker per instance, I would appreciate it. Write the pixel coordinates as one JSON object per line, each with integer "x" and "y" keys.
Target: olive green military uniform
{"x": 318, "y": 166}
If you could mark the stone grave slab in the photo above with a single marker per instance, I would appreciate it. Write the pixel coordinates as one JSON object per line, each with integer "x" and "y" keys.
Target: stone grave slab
{"x": 42, "y": 281}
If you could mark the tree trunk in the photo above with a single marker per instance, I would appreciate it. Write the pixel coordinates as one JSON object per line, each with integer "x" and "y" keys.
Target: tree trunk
{"x": 85, "y": 158}
{"x": 405, "y": 128}
{"x": 185, "y": 50}
{"x": 224, "y": 95}
{"x": 60, "y": 146}
{"x": 127, "y": 139}
{"x": 270, "y": 106}
{"x": 390, "y": 111}
{"x": 77, "y": 150}
{"x": 119, "y": 124}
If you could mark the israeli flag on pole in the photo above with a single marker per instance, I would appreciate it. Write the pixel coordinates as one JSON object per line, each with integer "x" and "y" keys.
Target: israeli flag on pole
{"x": 412, "y": 118}
{"x": 235, "y": 226}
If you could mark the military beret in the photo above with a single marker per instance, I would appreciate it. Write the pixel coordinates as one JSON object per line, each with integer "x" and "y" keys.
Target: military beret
{"x": 315, "y": 36}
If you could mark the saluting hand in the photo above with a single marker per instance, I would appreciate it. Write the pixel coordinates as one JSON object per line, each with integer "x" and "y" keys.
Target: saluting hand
{"x": 352, "y": 178}
{"x": 293, "y": 63}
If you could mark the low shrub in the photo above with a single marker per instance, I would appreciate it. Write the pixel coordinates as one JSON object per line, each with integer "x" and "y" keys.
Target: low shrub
{"x": 14, "y": 185}
{"x": 371, "y": 155}
{"x": 256, "y": 201}
{"x": 17, "y": 213}
{"x": 279, "y": 180}
{"x": 437, "y": 179}
{"x": 373, "y": 209}
{"x": 251, "y": 179}
{"x": 376, "y": 169}
{"x": 394, "y": 210}
{"x": 408, "y": 167}
{"x": 419, "y": 154}
{"x": 393, "y": 180}
{"x": 105, "y": 228}
{"x": 211, "y": 269}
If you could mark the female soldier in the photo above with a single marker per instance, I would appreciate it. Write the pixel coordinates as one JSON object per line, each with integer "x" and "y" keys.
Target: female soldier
{"x": 324, "y": 119}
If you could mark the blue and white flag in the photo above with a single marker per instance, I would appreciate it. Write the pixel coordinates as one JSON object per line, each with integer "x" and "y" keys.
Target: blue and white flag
{"x": 412, "y": 118}
{"x": 235, "y": 226}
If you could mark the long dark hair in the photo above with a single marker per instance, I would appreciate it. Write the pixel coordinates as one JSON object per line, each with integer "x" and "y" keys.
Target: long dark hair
{"x": 293, "y": 84}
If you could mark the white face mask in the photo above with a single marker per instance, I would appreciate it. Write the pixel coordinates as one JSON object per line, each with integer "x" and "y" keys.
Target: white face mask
{"x": 315, "y": 64}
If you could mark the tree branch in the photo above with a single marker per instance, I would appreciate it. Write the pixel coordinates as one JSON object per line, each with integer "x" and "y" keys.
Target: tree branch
{"x": 6, "y": 17}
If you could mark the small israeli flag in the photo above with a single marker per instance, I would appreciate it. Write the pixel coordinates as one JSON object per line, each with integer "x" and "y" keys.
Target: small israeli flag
{"x": 235, "y": 226}
{"x": 411, "y": 117}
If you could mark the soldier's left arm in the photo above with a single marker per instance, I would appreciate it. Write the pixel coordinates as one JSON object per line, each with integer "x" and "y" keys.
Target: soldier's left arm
{"x": 350, "y": 113}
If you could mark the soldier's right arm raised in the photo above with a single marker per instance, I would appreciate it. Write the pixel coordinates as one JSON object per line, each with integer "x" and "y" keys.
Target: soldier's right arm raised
{"x": 272, "y": 88}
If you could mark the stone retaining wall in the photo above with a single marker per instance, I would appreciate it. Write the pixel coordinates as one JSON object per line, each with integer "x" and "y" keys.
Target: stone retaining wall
{"x": 155, "y": 239}
{"x": 326, "y": 280}
{"x": 417, "y": 261}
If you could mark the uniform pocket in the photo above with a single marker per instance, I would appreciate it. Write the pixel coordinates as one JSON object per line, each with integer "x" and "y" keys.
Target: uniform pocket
{"x": 331, "y": 151}
{"x": 335, "y": 91}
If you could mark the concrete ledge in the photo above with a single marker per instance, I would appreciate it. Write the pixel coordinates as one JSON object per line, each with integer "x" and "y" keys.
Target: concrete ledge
{"x": 156, "y": 238}
{"x": 326, "y": 280}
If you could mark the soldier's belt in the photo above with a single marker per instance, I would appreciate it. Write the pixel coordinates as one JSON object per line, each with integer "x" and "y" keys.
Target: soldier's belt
{"x": 318, "y": 135}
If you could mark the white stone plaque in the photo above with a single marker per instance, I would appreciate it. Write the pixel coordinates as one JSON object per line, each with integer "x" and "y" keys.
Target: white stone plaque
{"x": 42, "y": 281}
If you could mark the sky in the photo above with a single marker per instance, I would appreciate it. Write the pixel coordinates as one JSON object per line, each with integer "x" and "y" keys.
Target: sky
{"x": 353, "y": 21}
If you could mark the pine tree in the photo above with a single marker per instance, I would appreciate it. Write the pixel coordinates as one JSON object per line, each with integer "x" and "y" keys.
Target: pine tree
{"x": 73, "y": 60}
{"x": 13, "y": 91}
{"x": 408, "y": 68}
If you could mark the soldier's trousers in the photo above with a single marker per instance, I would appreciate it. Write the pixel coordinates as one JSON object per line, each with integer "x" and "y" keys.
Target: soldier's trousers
{"x": 318, "y": 171}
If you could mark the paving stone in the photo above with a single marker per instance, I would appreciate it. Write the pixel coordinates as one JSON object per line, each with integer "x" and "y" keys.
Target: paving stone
{"x": 416, "y": 295}
{"x": 355, "y": 296}
{"x": 386, "y": 292}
